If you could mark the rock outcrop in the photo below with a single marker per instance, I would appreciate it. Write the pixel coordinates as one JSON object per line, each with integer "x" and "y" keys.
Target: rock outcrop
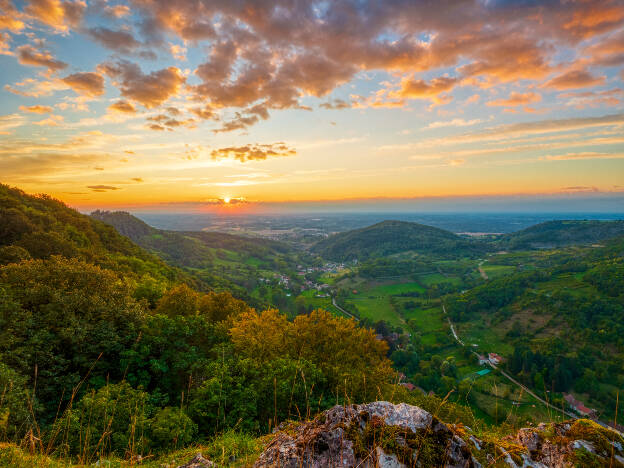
{"x": 378, "y": 434}
{"x": 579, "y": 442}
{"x": 382, "y": 434}
{"x": 198, "y": 462}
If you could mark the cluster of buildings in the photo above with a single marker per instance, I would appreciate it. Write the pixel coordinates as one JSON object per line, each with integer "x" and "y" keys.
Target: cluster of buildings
{"x": 330, "y": 267}
{"x": 579, "y": 407}
{"x": 491, "y": 358}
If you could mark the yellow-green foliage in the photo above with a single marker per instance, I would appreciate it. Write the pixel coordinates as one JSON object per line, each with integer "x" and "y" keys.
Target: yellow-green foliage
{"x": 230, "y": 449}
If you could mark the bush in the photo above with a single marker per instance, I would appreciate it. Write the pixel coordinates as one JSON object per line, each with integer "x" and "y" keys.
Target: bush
{"x": 114, "y": 419}
{"x": 172, "y": 428}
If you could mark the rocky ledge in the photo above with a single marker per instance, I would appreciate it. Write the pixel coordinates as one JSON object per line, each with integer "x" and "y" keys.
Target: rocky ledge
{"x": 383, "y": 434}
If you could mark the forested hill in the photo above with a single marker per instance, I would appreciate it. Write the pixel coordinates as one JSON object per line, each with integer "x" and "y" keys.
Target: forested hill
{"x": 39, "y": 227}
{"x": 554, "y": 234}
{"x": 194, "y": 248}
{"x": 390, "y": 237}
{"x": 224, "y": 262}
{"x": 126, "y": 224}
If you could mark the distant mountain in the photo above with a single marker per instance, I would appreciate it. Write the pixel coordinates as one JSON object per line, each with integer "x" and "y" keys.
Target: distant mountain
{"x": 553, "y": 234}
{"x": 390, "y": 237}
{"x": 40, "y": 227}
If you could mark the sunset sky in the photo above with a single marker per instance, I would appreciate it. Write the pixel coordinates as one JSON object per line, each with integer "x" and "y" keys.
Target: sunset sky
{"x": 109, "y": 104}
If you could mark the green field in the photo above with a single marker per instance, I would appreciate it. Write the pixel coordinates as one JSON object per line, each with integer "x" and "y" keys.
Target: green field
{"x": 437, "y": 278}
{"x": 496, "y": 271}
{"x": 393, "y": 289}
{"x": 375, "y": 308}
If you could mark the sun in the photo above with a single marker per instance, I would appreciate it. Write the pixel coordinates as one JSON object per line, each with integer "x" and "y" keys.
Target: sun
{"x": 227, "y": 199}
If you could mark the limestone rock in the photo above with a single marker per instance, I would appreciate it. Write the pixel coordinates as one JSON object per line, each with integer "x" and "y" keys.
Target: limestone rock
{"x": 198, "y": 462}
{"x": 378, "y": 434}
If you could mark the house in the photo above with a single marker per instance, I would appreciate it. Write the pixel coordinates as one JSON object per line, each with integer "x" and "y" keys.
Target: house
{"x": 579, "y": 407}
{"x": 495, "y": 358}
{"x": 482, "y": 360}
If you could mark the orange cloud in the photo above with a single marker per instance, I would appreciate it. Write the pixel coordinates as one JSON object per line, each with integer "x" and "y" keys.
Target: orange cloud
{"x": 36, "y": 109}
{"x": 253, "y": 152}
{"x": 119, "y": 41}
{"x": 88, "y": 83}
{"x": 150, "y": 90}
{"x": 10, "y": 18}
{"x": 102, "y": 188}
{"x": 123, "y": 107}
{"x": 574, "y": 79}
{"x": 517, "y": 99}
{"x": 591, "y": 18}
{"x": 580, "y": 100}
{"x": 29, "y": 55}
{"x": 56, "y": 14}
{"x": 420, "y": 89}
{"x": 163, "y": 121}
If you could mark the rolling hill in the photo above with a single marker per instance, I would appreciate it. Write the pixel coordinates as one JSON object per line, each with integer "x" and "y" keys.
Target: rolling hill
{"x": 194, "y": 249}
{"x": 554, "y": 234}
{"x": 225, "y": 262}
{"x": 391, "y": 237}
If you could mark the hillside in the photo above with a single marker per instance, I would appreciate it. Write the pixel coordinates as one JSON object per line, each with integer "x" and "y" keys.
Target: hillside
{"x": 554, "y": 234}
{"x": 391, "y": 237}
{"x": 39, "y": 227}
{"x": 194, "y": 249}
{"x": 224, "y": 262}
{"x": 557, "y": 318}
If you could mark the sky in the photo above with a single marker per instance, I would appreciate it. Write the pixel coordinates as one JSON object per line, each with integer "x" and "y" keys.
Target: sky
{"x": 233, "y": 104}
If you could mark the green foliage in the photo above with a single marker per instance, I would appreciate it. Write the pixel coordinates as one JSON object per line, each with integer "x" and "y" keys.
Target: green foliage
{"x": 15, "y": 416}
{"x": 62, "y": 320}
{"x": 13, "y": 254}
{"x": 44, "y": 227}
{"x": 115, "y": 418}
{"x": 171, "y": 428}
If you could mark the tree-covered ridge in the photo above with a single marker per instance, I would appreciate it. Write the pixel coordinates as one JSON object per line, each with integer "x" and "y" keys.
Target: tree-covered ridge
{"x": 390, "y": 237}
{"x": 39, "y": 227}
{"x": 561, "y": 233}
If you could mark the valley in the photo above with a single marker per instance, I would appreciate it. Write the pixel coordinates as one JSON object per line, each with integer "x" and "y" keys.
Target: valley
{"x": 197, "y": 333}
{"x": 401, "y": 290}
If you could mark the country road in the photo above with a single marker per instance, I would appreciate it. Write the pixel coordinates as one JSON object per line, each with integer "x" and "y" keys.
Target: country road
{"x": 506, "y": 375}
{"x": 344, "y": 311}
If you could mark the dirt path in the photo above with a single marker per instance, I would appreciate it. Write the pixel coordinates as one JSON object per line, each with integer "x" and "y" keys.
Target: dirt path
{"x": 452, "y": 327}
{"x": 343, "y": 311}
{"x": 482, "y": 271}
